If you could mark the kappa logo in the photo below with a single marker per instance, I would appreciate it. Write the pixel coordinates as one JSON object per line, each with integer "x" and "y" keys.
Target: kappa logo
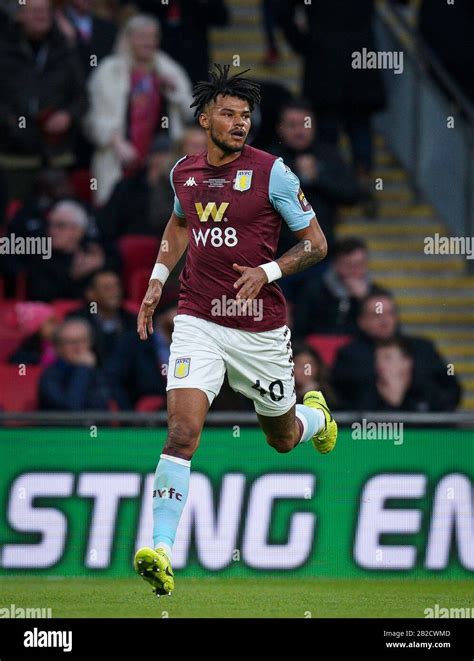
{"x": 211, "y": 209}
{"x": 181, "y": 367}
{"x": 243, "y": 180}
{"x": 190, "y": 182}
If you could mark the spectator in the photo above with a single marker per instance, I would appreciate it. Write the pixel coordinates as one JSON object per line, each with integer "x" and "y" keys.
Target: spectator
{"x": 37, "y": 323}
{"x": 92, "y": 36}
{"x": 330, "y": 305}
{"x": 341, "y": 95}
{"x": 311, "y": 373}
{"x": 325, "y": 178}
{"x": 143, "y": 202}
{"x": 394, "y": 378}
{"x": 185, "y": 25}
{"x": 73, "y": 258}
{"x": 355, "y": 376}
{"x": 265, "y": 116}
{"x": 104, "y": 311}
{"x": 74, "y": 382}
{"x": 42, "y": 97}
{"x": 131, "y": 94}
{"x": 139, "y": 368}
{"x": 193, "y": 142}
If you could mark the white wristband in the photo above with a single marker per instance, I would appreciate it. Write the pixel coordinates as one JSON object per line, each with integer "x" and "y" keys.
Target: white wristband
{"x": 272, "y": 270}
{"x": 160, "y": 272}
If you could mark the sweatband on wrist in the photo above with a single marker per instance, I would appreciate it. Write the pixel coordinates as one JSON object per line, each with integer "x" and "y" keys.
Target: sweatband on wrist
{"x": 160, "y": 272}
{"x": 272, "y": 270}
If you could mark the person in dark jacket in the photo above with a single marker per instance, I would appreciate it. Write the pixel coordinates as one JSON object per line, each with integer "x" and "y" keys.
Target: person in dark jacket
{"x": 104, "y": 312}
{"x": 357, "y": 378}
{"x": 137, "y": 368}
{"x": 42, "y": 97}
{"x": 185, "y": 28}
{"x": 330, "y": 304}
{"x": 325, "y": 179}
{"x": 73, "y": 258}
{"x": 74, "y": 382}
{"x": 341, "y": 95}
{"x": 142, "y": 202}
{"x": 93, "y": 37}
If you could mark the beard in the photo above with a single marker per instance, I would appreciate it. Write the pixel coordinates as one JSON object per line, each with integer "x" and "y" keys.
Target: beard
{"x": 225, "y": 146}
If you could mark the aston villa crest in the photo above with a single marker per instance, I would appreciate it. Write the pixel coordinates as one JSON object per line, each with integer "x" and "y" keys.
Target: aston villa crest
{"x": 243, "y": 180}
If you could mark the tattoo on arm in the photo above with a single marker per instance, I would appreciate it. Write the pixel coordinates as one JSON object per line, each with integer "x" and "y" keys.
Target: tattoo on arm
{"x": 303, "y": 255}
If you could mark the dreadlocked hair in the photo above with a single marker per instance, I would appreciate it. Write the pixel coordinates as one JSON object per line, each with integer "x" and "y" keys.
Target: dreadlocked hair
{"x": 206, "y": 91}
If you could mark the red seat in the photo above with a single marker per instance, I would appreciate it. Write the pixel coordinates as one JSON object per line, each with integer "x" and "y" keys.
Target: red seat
{"x": 328, "y": 345}
{"x": 81, "y": 184}
{"x": 139, "y": 285}
{"x": 149, "y": 403}
{"x": 12, "y": 209}
{"x": 19, "y": 392}
{"x": 137, "y": 253}
{"x": 62, "y": 307}
{"x": 10, "y": 336}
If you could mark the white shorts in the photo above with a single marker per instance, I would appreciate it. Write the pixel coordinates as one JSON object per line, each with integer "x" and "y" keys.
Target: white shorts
{"x": 259, "y": 365}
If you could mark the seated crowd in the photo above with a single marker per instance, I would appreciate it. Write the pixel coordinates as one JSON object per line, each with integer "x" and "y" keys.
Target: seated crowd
{"x": 105, "y": 114}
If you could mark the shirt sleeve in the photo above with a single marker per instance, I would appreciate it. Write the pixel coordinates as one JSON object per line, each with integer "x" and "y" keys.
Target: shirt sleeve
{"x": 177, "y": 208}
{"x": 287, "y": 197}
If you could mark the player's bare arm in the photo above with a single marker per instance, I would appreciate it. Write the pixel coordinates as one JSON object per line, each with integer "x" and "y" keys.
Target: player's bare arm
{"x": 173, "y": 245}
{"x": 310, "y": 250}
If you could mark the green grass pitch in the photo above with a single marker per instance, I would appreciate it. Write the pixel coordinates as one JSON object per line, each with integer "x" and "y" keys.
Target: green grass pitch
{"x": 236, "y": 597}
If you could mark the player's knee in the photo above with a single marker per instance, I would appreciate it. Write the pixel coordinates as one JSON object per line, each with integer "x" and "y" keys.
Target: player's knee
{"x": 281, "y": 444}
{"x": 183, "y": 439}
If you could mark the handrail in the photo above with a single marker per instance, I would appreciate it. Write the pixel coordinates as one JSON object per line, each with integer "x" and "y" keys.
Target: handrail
{"x": 429, "y": 58}
{"x": 221, "y": 418}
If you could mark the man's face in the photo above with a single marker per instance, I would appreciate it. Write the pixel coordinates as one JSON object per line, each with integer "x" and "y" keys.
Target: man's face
{"x": 296, "y": 129}
{"x": 74, "y": 339}
{"x": 106, "y": 291}
{"x": 35, "y": 18}
{"x": 353, "y": 265}
{"x": 379, "y": 318}
{"x": 65, "y": 232}
{"x": 194, "y": 141}
{"x": 228, "y": 122}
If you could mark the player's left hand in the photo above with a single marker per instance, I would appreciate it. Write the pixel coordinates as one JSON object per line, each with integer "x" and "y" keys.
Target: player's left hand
{"x": 250, "y": 282}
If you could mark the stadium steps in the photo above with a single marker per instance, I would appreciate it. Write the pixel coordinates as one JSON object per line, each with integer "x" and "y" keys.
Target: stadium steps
{"x": 434, "y": 292}
{"x": 244, "y": 37}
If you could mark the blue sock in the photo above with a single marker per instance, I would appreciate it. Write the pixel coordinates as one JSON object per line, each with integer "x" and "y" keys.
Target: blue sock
{"x": 312, "y": 420}
{"x": 170, "y": 490}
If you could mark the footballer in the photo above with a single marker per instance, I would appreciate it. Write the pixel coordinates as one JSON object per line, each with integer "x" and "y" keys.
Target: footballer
{"x": 229, "y": 204}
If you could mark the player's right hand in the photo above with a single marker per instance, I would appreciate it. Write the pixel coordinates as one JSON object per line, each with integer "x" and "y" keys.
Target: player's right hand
{"x": 148, "y": 307}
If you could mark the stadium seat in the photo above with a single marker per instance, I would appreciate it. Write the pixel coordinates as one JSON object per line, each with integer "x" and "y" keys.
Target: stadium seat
{"x": 12, "y": 209}
{"x": 137, "y": 253}
{"x": 149, "y": 403}
{"x": 328, "y": 345}
{"x": 19, "y": 392}
{"x": 81, "y": 185}
{"x": 138, "y": 284}
{"x": 62, "y": 307}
